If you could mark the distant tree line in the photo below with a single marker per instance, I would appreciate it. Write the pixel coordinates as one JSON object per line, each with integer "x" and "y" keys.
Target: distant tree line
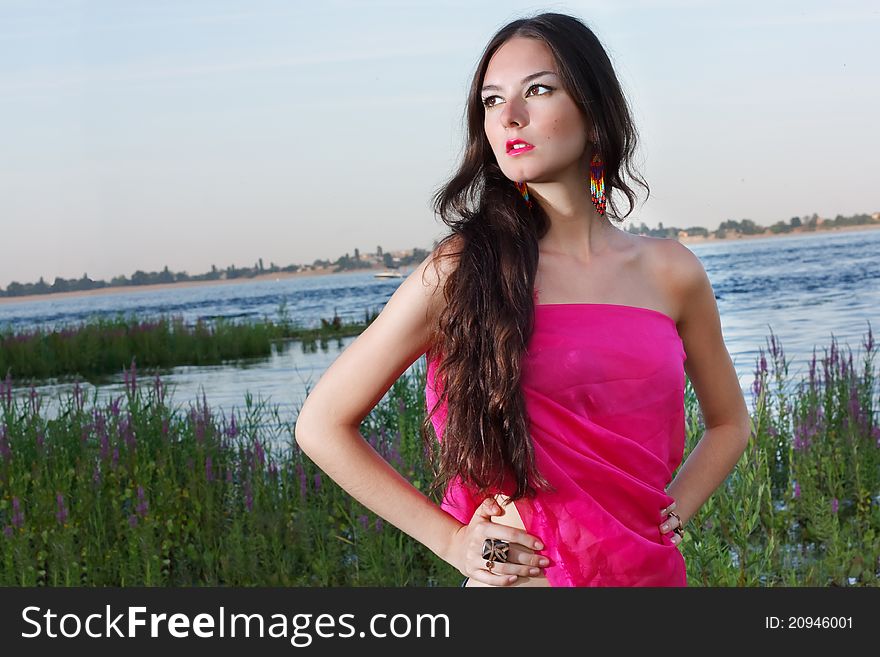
{"x": 414, "y": 257}
{"x": 748, "y": 227}
{"x": 138, "y": 278}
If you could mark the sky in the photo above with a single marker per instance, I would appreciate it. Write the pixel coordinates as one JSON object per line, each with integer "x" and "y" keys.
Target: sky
{"x": 140, "y": 134}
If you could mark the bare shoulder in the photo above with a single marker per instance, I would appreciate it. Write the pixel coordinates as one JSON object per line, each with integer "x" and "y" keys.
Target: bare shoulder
{"x": 676, "y": 267}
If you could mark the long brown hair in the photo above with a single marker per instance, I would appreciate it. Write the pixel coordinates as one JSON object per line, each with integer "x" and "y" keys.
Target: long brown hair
{"x": 485, "y": 326}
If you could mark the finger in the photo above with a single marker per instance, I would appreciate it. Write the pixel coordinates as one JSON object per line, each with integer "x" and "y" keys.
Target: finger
{"x": 669, "y": 524}
{"x": 488, "y": 508}
{"x": 494, "y": 580}
{"x": 669, "y": 508}
{"x": 495, "y": 577}
{"x": 511, "y": 568}
{"x": 521, "y": 555}
{"x": 513, "y": 535}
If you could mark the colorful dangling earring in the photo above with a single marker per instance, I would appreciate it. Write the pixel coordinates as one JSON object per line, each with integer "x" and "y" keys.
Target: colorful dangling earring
{"x": 524, "y": 190}
{"x": 597, "y": 183}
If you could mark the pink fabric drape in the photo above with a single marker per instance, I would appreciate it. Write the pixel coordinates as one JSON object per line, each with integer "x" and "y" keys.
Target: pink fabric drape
{"x": 604, "y": 390}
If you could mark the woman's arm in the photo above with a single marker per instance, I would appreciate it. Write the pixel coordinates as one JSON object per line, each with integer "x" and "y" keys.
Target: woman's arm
{"x": 327, "y": 430}
{"x": 715, "y": 382}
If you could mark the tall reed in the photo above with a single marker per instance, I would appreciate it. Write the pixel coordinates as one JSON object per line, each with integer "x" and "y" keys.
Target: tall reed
{"x": 104, "y": 346}
{"x": 138, "y": 492}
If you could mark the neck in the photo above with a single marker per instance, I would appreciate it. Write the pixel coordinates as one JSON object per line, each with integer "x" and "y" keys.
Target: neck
{"x": 576, "y": 230}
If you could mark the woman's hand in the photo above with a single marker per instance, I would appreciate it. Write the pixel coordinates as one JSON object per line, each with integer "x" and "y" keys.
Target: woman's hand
{"x": 669, "y": 524}
{"x": 466, "y": 552}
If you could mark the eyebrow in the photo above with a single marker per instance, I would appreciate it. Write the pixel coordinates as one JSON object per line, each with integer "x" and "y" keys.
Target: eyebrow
{"x": 489, "y": 87}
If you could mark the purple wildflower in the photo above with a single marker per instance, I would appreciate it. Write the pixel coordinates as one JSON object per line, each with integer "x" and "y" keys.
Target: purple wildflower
{"x": 301, "y": 473}
{"x": 142, "y": 506}
{"x": 209, "y": 474}
{"x": 35, "y": 400}
{"x": 869, "y": 343}
{"x": 855, "y": 409}
{"x": 159, "y": 389}
{"x": 5, "y": 450}
{"x": 364, "y": 521}
{"x": 133, "y": 520}
{"x": 100, "y": 424}
{"x": 834, "y": 505}
{"x": 248, "y": 495}
{"x": 797, "y": 490}
{"x": 17, "y": 513}
{"x": 807, "y": 429}
{"x": 127, "y": 431}
{"x": 7, "y": 531}
{"x": 760, "y": 372}
{"x": 776, "y": 348}
{"x": 105, "y": 446}
{"x": 317, "y": 481}
{"x": 61, "y": 514}
{"x": 379, "y": 524}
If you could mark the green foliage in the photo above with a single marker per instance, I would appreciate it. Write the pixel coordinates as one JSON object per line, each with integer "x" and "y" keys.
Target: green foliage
{"x": 140, "y": 493}
{"x": 802, "y": 506}
{"x": 151, "y": 495}
{"x": 102, "y": 346}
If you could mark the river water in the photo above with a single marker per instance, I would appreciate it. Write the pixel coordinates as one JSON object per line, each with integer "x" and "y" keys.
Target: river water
{"x": 805, "y": 289}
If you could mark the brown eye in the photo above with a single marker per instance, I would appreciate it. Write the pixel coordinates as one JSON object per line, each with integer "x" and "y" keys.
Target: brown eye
{"x": 534, "y": 86}
{"x": 487, "y": 104}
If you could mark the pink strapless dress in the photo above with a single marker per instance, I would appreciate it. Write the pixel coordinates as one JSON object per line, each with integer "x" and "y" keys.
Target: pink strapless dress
{"x": 604, "y": 391}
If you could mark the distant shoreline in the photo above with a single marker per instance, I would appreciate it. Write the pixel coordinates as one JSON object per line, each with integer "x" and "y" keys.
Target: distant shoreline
{"x": 281, "y": 275}
{"x": 697, "y": 239}
{"x": 55, "y": 296}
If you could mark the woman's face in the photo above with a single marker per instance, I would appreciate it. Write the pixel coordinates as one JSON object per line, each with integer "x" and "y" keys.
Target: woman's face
{"x": 536, "y": 110}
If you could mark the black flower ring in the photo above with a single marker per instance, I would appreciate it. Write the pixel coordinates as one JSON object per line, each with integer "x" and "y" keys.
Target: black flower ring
{"x": 494, "y": 549}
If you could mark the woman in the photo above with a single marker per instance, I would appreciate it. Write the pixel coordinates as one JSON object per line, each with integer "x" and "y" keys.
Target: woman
{"x": 559, "y": 423}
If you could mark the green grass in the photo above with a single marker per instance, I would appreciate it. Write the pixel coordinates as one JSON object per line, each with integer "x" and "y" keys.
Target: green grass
{"x": 102, "y": 346}
{"x": 137, "y": 493}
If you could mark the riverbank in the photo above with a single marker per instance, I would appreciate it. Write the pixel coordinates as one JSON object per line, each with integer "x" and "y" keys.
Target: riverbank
{"x": 276, "y": 276}
{"x": 326, "y": 271}
{"x": 698, "y": 239}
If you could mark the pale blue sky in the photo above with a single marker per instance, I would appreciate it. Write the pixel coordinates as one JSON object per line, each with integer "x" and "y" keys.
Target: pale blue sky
{"x": 192, "y": 132}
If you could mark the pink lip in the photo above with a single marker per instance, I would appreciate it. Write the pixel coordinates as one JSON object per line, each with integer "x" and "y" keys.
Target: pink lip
{"x": 516, "y": 151}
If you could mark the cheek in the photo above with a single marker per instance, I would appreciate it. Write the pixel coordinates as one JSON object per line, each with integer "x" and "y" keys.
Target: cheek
{"x": 569, "y": 128}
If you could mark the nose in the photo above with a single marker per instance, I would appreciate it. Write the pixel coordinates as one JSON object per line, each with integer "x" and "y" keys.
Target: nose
{"x": 514, "y": 114}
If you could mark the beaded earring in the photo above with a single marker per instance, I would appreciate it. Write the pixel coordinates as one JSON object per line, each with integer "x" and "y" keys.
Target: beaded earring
{"x": 524, "y": 190}
{"x": 597, "y": 183}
